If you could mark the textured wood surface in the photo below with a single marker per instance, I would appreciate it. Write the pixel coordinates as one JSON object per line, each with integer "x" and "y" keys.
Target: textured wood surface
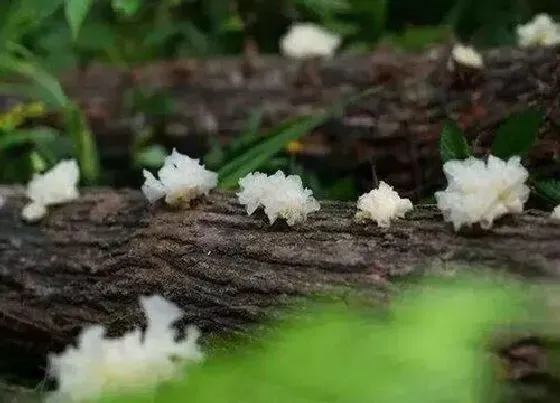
{"x": 90, "y": 260}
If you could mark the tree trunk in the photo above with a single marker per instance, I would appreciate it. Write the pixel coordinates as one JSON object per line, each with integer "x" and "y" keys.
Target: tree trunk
{"x": 397, "y": 127}
{"x": 88, "y": 262}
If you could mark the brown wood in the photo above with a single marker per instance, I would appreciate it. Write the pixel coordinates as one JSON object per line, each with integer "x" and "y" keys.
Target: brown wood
{"x": 397, "y": 127}
{"x": 90, "y": 260}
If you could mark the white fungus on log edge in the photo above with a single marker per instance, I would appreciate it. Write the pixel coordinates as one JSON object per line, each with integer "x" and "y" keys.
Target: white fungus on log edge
{"x": 382, "y": 205}
{"x": 181, "y": 180}
{"x": 555, "y": 215}
{"x": 57, "y": 186}
{"x": 466, "y": 56}
{"x": 281, "y": 196}
{"x": 480, "y": 192}
{"x": 307, "y": 40}
{"x": 542, "y": 30}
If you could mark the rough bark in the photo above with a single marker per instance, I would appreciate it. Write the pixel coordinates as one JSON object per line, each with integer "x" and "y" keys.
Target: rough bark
{"x": 90, "y": 260}
{"x": 397, "y": 127}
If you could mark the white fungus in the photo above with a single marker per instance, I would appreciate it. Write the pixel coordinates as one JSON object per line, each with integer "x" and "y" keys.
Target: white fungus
{"x": 281, "y": 196}
{"x": 137, "y": 361}
{"x": 540, "y": 31}
{"x": 466, "y": 56}
{"x": 181, "y": 180}
{"x": 57, "y": 186}
{"x": 480, "y": 192}
{"x": 382, "y": 205}
{"x": 555, "y": 215}
{"x": 305, "y": 40}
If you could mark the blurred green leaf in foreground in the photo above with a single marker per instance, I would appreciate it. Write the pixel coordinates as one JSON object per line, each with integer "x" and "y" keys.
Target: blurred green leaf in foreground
{"x": 430, "y": 347}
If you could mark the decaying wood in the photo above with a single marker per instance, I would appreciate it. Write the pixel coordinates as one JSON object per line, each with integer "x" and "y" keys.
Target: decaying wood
{"x": 397, "y": 127}
{"x": 90, "y": 260}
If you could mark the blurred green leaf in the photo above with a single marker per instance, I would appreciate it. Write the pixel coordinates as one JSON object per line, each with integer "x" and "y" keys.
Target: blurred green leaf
{"x": 197, "y": 42}
{"x": 128, "y": 8}
{"x": 96, "y": 36}
{"x": 159, "y": 36}
{"x": 249, "y": 133}
{"x": 419, "y": 38}
{"x": 23, "y": 136}
{"x": 51, "y": 90}
{"x": 549, "y": 189}
{"x": 238, "y": 145}
{"x": 423, "y": 351}
{"x": 78, "y": 129}
{"x": 518, "y": 134}
{"x": 343, "y": 189}
{"x": 20, "y": 17}
{"x": 151, "y": 156}
{"x": 453, "y": 143}
{"x": 273, "y": 143}
{"x": 276, "y": 139}
{"x": 76, "y": 12}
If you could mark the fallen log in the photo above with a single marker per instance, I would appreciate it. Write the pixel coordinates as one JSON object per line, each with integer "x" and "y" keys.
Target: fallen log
{"x": 397, "y": 127}
{"x": 90, "y": 260}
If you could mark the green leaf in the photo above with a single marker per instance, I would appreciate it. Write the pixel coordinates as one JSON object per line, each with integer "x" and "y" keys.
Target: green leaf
{"x": 76, "y": 12}
{"x": 77, "y": 127}
{"x": 128, "y": 8}
{"x": 49, "y": 86}
{"x": 518, "y": 134}
{"x": 151, "y": 157}
{"x": 264, "y": 150}
{"x": 249, "y": 134}
{"x": 23, "y": 136}
{"x": 549, "y": 189}
{"x": 22, "y": 16}
{"x": 453, "y": 144}
{"x": 275, "y": 140}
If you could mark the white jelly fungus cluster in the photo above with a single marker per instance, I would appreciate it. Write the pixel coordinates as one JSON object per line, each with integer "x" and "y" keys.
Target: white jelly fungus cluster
{"x": 281, "y": 196}
{"x": 304, "y": 40}
{"x": 542, "y": 30}
{"x": 57, "y": 186}
{"x": 181, "y": 180}
{"x": 135, "y": 362}
{"x": 382, "y": 205}
{"x": 480, "y": 192}
{"x": 466, "y": 56}
{"x": 555, "y": 215}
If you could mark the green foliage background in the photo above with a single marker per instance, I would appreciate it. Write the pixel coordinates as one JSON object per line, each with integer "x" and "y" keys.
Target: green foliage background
{"x": 131, "y": 31}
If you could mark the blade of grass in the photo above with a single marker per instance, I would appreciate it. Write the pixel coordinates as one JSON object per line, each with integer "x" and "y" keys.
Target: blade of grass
{"x": 259, "y": 154}
{"x": 84, "y": 143}
{"x": 263, "y": 149}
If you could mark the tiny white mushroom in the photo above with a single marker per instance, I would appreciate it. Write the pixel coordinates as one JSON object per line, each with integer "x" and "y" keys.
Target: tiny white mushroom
{"x": 181, "y": 180}
{"x": 279, "y": 195}
{"x": 382, "y": 205}
{"x": 33, "y": 212}
{"x": 307, "y": 40}
{"x": 56, "y": 186}
{"x": 555, "y": 215}
{"x": 540, "y": 31}
{"x": 466, "y": 56}
{"x": 481, "y": 191}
